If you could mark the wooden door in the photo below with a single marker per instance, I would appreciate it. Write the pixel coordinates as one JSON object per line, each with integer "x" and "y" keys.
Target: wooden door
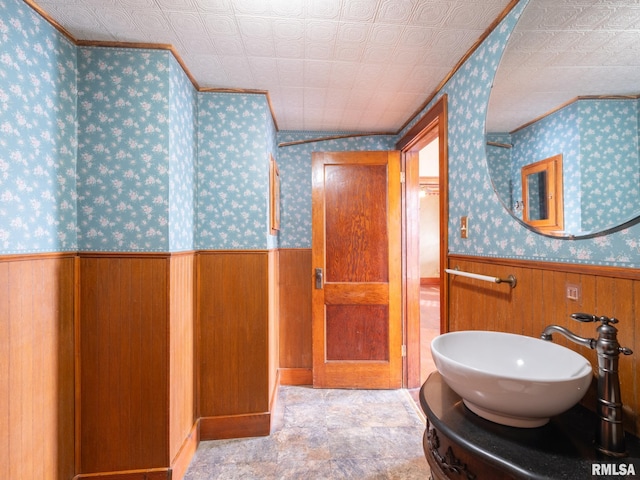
{"x": 356, "y": 250}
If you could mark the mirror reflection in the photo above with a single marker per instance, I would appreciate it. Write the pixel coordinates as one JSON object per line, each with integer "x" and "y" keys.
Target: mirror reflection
{"x": 542, "y": 194}
{"x": 536, "y": 208}
{"x": 568, "y": 86}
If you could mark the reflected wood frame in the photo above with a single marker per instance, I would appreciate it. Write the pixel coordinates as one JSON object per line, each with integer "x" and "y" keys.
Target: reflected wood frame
{"x": 274, "y": 196}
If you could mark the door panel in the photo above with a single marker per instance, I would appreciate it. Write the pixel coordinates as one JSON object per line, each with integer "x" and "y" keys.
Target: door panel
{"x": 357, "y": 322}
{"x": 354, "y": 221}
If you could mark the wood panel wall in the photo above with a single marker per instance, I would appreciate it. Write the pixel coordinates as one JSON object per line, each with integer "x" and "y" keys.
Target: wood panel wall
{"x": 124, "y": 355}
{"x": 274, "y": 324}
{"x": 539, "y": 299}
{"x": 295, "y": 351}
{"x": 234, "y": 323}
{"x": 37, "y": 367}
{"x": 181, "y": 361}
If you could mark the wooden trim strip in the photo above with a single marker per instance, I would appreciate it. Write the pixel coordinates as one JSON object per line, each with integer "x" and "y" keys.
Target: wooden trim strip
{"x": 419, "y": 133}
{"x": 235, "y": 426}
{"x": 233, "y": 90}
{"x": 226, "y": 252}
{"x": 146, "y": 255}
{"x": 349, "y": 294}
{"x": 273, "y": 400}
{"x": 145, "y": 474}
{"x": 77, "y": 364}
{"x": 131, "y": 45}
{"x": 22, "y": 257}
{"x": 86, "y": 254}
{"x": 599, "y": 270}
{"x": 183, "y": 458}
{"x": 498, "y": 144}
{"x": 296, "y": 376}
{"x": 569, "y": 102}
{"x": 332, "y": 137}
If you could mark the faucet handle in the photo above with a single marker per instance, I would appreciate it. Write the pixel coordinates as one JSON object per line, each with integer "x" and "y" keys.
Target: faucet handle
{"x": 587, "y": 317}
{"x": 584, "y": 317}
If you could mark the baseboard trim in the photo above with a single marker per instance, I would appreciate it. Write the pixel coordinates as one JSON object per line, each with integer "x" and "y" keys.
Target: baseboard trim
{"x": 235, "y": 426}
{"x": 148, "y": 474}
{"x": 184, "y": 456}
{"x": 296, "y": 376}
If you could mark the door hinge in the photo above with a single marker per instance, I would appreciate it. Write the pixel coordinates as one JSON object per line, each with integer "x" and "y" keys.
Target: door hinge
{"x": 404, "y": 350}
{"x": 401, "y": 177}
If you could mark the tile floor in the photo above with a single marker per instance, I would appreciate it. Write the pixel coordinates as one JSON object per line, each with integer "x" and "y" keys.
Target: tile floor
{"x": 325, "y": 434}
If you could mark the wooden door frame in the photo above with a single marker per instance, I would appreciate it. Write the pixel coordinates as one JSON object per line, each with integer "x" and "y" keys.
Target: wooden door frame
{"x": 432, "y": 124}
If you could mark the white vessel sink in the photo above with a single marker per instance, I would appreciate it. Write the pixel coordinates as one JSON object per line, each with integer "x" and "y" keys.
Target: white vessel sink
{"x": 511, "y": 379}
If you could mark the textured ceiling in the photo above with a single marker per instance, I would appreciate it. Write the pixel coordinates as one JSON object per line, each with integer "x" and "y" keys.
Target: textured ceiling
{"x": 330, "y": 65}
{"x": 368, "y": 65}
{"x": 562, "y": 50}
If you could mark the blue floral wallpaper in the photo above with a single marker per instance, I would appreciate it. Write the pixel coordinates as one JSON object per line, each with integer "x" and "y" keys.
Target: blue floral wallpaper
{"x": 610, "y": 161}
{"x": 182, "y": 159}
{"x": 493, "y": 231}
{"x": 111, "y": 149}
{"x": 37, "y": 134}
{"x": 500, "y": 169}
{"x": 235, "y": 137}
{"x": 123, "y": 149}
{"x": 295, "y": 169}
{"x": 598, "y": 139}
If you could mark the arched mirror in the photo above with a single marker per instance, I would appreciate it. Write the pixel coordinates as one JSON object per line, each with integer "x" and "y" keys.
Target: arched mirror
{"x": 568, "y": 86}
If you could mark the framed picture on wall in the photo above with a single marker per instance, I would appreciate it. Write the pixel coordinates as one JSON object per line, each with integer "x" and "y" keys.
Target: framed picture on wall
{"x": 274, "y": 195}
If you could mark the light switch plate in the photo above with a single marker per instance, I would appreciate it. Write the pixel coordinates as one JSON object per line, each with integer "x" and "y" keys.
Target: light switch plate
{"x": 464, "y": 227}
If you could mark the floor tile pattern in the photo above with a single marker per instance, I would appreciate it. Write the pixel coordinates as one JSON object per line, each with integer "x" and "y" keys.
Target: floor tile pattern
{"x": 325, "y": 434}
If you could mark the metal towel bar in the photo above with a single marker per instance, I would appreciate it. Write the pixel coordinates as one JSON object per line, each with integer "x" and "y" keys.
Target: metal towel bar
{"x": 511, "y": 280}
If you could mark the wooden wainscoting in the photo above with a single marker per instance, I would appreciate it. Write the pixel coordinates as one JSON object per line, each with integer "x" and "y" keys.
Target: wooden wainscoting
{"x": 37, "y": 366}
{"x": 235, "y": 322}
{"x": 136, "y": 416}
{"x": 181, "y": 363}
{"x": 540, "y": 299}
{"x": 124, "y": 352}
{"x": 295, "y": 355}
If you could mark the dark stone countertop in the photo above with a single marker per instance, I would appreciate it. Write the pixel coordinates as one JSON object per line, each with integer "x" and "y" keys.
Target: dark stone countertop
{"x": 562, "y": 449}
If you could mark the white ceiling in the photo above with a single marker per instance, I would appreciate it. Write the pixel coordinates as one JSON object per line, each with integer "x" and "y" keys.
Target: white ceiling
{"x": 328, "y": 65}
{"x": 369, "y": 65}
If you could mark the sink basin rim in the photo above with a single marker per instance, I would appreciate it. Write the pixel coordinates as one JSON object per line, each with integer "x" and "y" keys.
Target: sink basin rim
{"x": 515, "y": 399}
{"x": 552, "y": 347}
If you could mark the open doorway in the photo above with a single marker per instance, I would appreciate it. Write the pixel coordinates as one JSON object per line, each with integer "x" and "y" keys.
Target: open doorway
{"x": 428, "y": 134}
{"x": 429, "y": 253}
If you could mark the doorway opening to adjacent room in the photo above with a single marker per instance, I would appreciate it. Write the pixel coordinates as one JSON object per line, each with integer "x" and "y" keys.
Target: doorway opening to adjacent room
{"x": 425, "y": 239}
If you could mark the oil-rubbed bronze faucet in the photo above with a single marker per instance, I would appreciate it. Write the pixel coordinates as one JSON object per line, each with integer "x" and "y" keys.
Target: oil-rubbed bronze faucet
{"x": 610, "y": 432}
